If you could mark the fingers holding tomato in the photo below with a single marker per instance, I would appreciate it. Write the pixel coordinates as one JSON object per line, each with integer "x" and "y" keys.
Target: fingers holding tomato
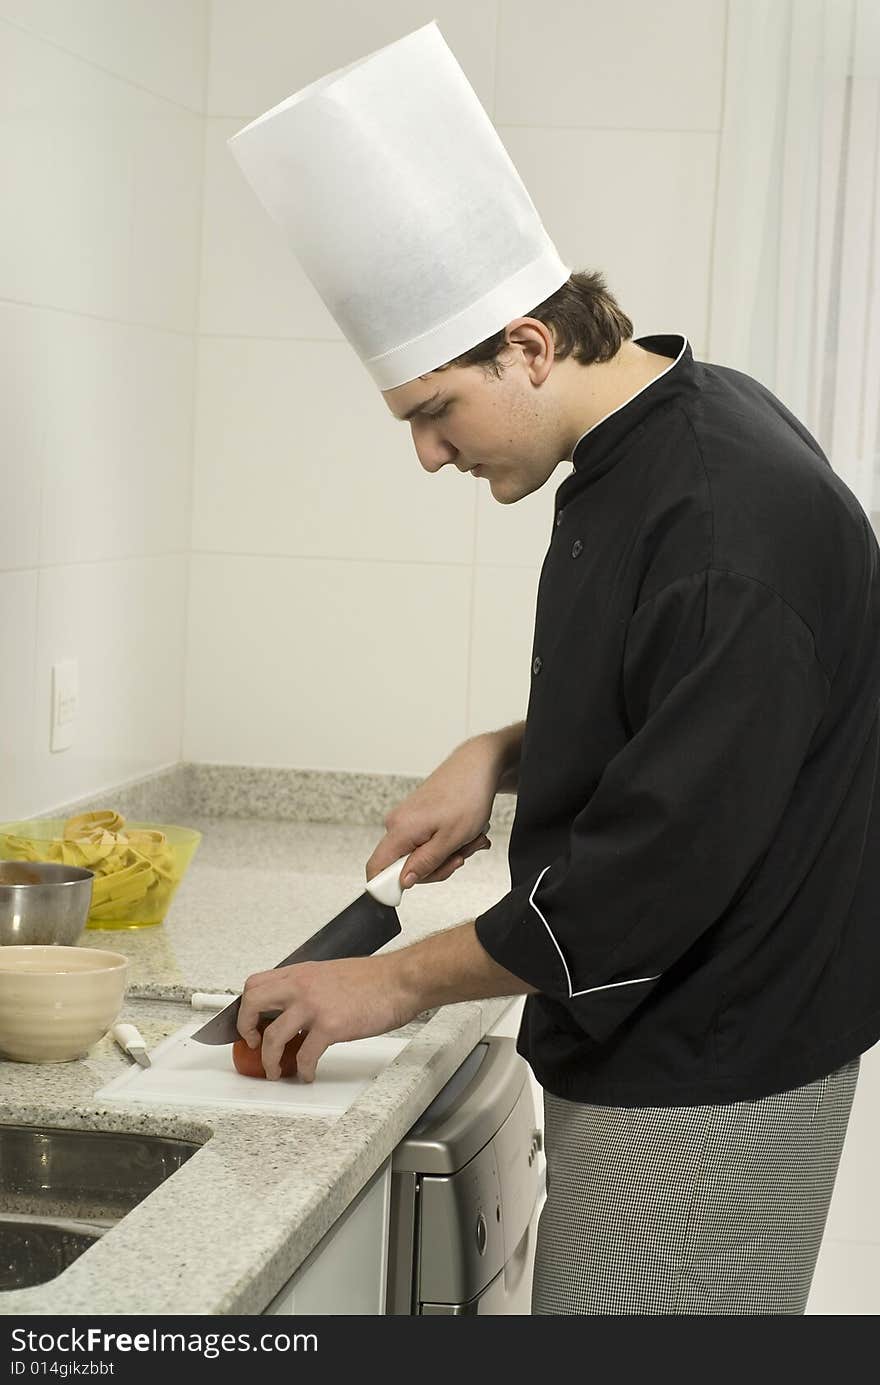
{"x": 249, "y": 1061}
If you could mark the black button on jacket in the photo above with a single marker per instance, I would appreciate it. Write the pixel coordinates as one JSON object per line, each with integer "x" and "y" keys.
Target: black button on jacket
{"x": 695, "y": 857}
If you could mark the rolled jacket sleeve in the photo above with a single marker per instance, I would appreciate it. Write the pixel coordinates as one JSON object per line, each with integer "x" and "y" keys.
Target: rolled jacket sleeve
{"x": 723, "y": 693}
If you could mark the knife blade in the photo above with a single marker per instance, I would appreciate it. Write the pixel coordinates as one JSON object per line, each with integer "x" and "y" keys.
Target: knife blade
{"x": 360, "y": 929}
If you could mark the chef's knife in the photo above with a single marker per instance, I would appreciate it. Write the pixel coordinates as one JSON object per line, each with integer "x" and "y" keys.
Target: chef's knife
{"x": 362, "y": 928}
{"x": 129, "y": 1038}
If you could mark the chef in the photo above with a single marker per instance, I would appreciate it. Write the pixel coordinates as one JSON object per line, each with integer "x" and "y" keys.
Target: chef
{"x": 695, "y": 857}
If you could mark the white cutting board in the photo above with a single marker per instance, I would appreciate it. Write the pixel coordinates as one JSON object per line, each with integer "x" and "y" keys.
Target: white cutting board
{"x": 186, "y": 1073}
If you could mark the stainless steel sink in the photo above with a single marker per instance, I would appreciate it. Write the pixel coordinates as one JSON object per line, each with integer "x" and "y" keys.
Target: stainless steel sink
{"x": 34, "y": 1250}
{"x": 62, "y": 1189}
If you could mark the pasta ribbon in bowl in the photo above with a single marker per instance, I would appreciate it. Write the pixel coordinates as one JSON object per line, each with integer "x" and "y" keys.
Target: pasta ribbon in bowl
{"x": 137, "y": 866}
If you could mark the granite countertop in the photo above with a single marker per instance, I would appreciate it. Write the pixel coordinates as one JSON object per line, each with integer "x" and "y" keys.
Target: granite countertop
{"x": 230, "y": 1227}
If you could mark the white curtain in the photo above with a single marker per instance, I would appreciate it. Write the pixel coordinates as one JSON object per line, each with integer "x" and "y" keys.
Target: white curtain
{"x": 795, "y": 297}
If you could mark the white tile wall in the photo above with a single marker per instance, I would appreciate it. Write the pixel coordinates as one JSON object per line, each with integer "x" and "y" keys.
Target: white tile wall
{"x": 101, "y": 155}
{"x": 66, "y": 169}
{"x": 23, "y": 420}
{"x": 853, "y": 1216}
{"x": 157, "y": 44}
{"x": 125, "y": 623}
{"x": 18, "y": 636}
{"x": 297, "y": 453}
{"x": 636, "y": 204}
{"x": 102, "y": 190}
{"x": 167, "y": 152}
{"x": 264, "y": 50}
{"x": 847, "y": 1280}
{"x": 501, "y": 644}
{"x": 118, "y": 440}
{"x": 633, "y": 66}
{"x": 326, "y": 664}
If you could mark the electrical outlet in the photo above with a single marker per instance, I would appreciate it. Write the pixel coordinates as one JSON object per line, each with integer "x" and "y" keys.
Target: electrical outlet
{"x": 65, "y": 696}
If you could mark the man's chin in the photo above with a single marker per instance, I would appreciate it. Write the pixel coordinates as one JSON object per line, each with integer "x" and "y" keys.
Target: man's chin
{"x": 505, "y": 490}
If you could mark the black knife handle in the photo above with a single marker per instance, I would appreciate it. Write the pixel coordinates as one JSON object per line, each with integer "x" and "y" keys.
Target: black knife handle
{"x": 361, "y": 929}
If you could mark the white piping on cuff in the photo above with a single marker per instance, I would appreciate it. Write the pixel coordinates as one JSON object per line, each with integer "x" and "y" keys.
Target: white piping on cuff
{"x": 572, "y": 994}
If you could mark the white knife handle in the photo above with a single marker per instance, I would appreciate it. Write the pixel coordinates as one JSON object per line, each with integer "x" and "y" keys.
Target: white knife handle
{"x": 127, "y": 1036}
{"x": 386, "y": 886}
{"x": 211, "y": 1000}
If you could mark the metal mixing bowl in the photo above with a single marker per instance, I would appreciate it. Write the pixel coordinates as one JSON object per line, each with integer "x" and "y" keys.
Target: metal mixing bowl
{"x": 43, "y": 902}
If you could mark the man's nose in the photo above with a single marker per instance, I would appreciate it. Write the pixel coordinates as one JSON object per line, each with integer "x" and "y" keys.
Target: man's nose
{"x": 433, "y": 451}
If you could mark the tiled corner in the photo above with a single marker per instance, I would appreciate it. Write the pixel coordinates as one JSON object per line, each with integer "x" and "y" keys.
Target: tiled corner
{"x": 124, "y": 623}
{"x": 166, "y": 54}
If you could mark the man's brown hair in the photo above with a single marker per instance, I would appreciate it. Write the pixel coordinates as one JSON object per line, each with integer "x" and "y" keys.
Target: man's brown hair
{"x": 585, "y": 318}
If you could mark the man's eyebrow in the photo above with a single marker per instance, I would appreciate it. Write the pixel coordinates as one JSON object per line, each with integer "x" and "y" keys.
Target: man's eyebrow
{"x": 417, "y": 409}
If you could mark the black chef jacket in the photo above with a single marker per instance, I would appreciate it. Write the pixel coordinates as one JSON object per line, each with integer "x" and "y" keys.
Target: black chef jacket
{"x": 695, "y": 856}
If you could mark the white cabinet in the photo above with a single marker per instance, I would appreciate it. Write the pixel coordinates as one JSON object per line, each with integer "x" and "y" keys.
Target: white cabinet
{"x": 346, "y": 1272}
{"x": 508, "y": 1026}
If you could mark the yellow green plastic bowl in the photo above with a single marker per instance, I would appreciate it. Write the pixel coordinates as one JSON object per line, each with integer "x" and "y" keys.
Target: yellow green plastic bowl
{"x": 135, "y": 896}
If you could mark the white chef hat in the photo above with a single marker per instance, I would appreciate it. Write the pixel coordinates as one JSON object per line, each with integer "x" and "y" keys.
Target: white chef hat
{"x": 403, "y": 207}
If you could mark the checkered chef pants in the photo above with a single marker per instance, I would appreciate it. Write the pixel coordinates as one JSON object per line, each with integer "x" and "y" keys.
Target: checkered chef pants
{"x": 689, "y": 1209}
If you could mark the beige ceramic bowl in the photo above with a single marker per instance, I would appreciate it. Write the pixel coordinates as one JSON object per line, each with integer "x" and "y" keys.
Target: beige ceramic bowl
{"x": 56, "y": 1002}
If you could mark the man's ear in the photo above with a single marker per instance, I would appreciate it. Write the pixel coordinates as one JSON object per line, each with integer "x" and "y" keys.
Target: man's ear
{"x": 536, "y": 342}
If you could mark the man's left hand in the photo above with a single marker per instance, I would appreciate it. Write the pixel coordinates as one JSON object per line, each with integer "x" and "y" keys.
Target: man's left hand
{"x": 353, "y": 998}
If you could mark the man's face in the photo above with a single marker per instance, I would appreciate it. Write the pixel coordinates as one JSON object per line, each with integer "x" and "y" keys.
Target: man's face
{"x": 494, "y": 429}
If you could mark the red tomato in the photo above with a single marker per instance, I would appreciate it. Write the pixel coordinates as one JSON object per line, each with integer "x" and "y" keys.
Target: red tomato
{"x": 249, "y": 1061}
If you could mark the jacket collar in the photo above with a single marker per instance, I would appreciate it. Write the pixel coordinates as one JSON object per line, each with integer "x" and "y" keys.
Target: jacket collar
{"x": 597, "y": 445}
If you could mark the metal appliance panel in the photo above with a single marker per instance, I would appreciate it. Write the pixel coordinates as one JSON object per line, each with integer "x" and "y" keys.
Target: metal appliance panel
{"x": 461, "y": 1241}
{"x": 465, "y": 1189}
{"x": 510, "y": 1292}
